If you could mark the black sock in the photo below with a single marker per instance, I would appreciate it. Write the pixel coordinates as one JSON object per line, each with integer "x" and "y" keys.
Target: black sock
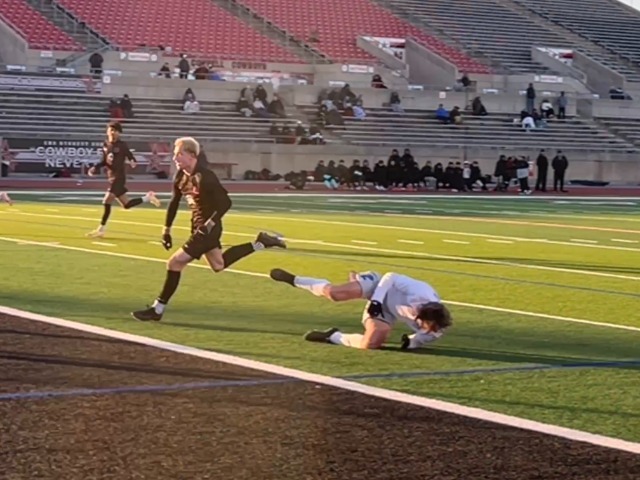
{"x": 233, "y": 254}
{"x": 132, "y": 203}
{"x": 105, "y": 215}
{"x": 170, "y": 286}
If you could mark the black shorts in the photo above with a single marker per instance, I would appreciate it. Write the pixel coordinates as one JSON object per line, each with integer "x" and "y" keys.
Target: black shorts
{"x": 198, "y": 244}
{"x": 118, "y": 187}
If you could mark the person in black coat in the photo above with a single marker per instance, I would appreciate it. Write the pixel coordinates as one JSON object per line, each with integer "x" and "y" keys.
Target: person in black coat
{"x": 542, "y": 163}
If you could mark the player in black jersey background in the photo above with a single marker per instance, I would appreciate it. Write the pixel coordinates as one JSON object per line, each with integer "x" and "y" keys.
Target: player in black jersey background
{"x": 115, "y": 154}
{"x": 209, "y": 201}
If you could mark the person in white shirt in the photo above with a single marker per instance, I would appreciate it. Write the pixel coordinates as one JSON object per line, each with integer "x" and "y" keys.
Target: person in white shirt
{"x": 391, "y": 297}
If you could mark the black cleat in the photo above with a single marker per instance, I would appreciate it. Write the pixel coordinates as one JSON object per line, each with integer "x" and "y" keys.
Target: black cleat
{"x": 270, "y": 241}
{"x": 405, "y": 341}
{"x": 147, "y": 314}
{"x": 320, "y": 335}
{"x": 280, "y": 275}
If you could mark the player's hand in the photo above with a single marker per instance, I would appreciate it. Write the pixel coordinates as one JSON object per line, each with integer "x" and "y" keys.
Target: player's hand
{"x": 375, "y": 309}
{"x": 133, "y": 164}
{"x": 167, "y": 241}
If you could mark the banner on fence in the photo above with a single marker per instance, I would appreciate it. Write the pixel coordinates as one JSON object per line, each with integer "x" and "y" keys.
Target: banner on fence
{"x": 51, "y": 155}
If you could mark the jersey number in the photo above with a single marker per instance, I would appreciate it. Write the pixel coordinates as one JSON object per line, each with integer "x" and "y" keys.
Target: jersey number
{"x": 368, "y": 276}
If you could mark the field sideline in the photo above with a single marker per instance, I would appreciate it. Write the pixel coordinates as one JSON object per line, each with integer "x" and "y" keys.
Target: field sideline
{"x": 544, "y": 291}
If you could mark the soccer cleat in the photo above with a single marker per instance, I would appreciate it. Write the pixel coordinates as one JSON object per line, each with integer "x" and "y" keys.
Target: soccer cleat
{"x": 270, "y": 241}
{"x": 280, "y": 275}
{"x": 404, "y": 342}
{"x": 153, "y": 200}
{"x": 320, "y": 336}
{"x": 148, "y": 314}
{"x": 97, "y": 233}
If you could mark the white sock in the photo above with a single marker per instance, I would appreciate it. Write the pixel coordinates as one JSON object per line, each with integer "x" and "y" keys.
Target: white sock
{"x": 158, "y": 307}
{"x": 314, "y": 285}
{"x": 146, "y": 198}
{"x": 347, "y": 339}
{"x": 257, "y": 246}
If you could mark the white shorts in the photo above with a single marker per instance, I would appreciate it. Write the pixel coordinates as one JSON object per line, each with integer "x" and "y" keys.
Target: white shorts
{"x": 369, "y": 282}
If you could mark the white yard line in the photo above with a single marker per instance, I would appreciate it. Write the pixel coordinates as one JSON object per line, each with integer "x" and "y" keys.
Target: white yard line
{"x": 105, "y": 244}
{"x": 411, "y": 242}
{"x": 459, "y": 242}
{"x": 402, "y": 252}
{"x": 264, "y": 275}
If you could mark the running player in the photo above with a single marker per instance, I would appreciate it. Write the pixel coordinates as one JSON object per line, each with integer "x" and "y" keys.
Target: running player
{"x": 209, "y": 201}
{"x": 4, "y": 197}
{"x": 115, "y": 154}
{"x": 392, "y": 297}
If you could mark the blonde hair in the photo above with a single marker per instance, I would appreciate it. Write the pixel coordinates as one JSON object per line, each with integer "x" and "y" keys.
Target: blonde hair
{"x": 189, "y": 145}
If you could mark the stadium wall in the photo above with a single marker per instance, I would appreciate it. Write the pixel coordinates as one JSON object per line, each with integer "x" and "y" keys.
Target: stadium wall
{"x": 426, "y": 67}
{"x": 599, "y": 77}
{"x": 584, "y": 165}
{"x": 13, "y": 48}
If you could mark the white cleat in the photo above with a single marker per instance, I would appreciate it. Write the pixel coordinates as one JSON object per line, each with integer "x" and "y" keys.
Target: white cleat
{"x": 97, "y": 233}
{"x": 153, "y": 200}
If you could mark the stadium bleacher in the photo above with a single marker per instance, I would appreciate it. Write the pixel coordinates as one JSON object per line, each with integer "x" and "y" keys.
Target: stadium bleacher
{"x": 419, "y": 128}
{"x": 607, "y": 23}
{"x": 85, "y": 116}
{"x": 339, "y": 23}
{"x": 627, "y": 128}
{"x": 197, "y": 27}
{"x": 39, "y": 32}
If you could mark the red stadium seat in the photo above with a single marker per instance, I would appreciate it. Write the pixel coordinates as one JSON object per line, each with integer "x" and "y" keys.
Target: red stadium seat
{"x": 39, "y": 32}
{"x": 198, "y": 27}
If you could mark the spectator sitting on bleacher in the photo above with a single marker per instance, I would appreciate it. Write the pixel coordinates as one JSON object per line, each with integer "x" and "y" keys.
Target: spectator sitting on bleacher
{"x": 442, "y": 114}
{"x": 165, "y": 71}
{"x": 380, "y": 176}
{"x": 244, "y": 102}
{"x": 191, "y": 105}
{"x": 476, "y": 175}
{"x": 315, "y": 137}
{"x": 201, "y": 72}
{"x": 455, "y": 116}
{"x": 346, "y": 94}
{"x": 477, "y": 108}
{"x": 376, "y": 82}
{"x": 547, "y": 108}
{"x": 115, "y": 110}
{"x": 276, "y": 107}
{"x": 395, "y": 103}
{"x": 126, "y": 106}
{"x": 537, "y": 118}
{"x": 261, "y": 94}
{"x": 526, "y": 120}
{"x": 300, "y": 130}
{"x": 259, "y": 109}
{"x": 318, "y": 173}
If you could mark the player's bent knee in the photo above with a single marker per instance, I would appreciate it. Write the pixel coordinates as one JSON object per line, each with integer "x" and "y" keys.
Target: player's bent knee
{"x": 217, "y": 267}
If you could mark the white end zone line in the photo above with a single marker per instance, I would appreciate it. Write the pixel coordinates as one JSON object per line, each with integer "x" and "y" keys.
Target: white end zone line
{"x": 476, "y": 413}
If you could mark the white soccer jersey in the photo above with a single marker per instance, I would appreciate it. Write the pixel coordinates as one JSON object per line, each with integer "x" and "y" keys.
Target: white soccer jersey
{"x": 401, "y": 296}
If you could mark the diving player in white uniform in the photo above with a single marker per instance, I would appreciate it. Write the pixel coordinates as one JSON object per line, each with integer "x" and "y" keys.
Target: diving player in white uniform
{"x": 392, "y": 297}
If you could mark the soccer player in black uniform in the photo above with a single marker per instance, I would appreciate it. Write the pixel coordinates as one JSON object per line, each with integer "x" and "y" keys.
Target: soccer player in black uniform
{"x": 208, "y": 201}
{"x": 115, "y": 154}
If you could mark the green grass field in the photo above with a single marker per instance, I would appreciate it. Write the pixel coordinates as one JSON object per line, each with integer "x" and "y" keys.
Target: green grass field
{"x": 520, "y": 274}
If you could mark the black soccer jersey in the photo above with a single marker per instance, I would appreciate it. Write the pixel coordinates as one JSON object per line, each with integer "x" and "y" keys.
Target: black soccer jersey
{"x": 204, "y": 194}
{"x": 114, "y": 158}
